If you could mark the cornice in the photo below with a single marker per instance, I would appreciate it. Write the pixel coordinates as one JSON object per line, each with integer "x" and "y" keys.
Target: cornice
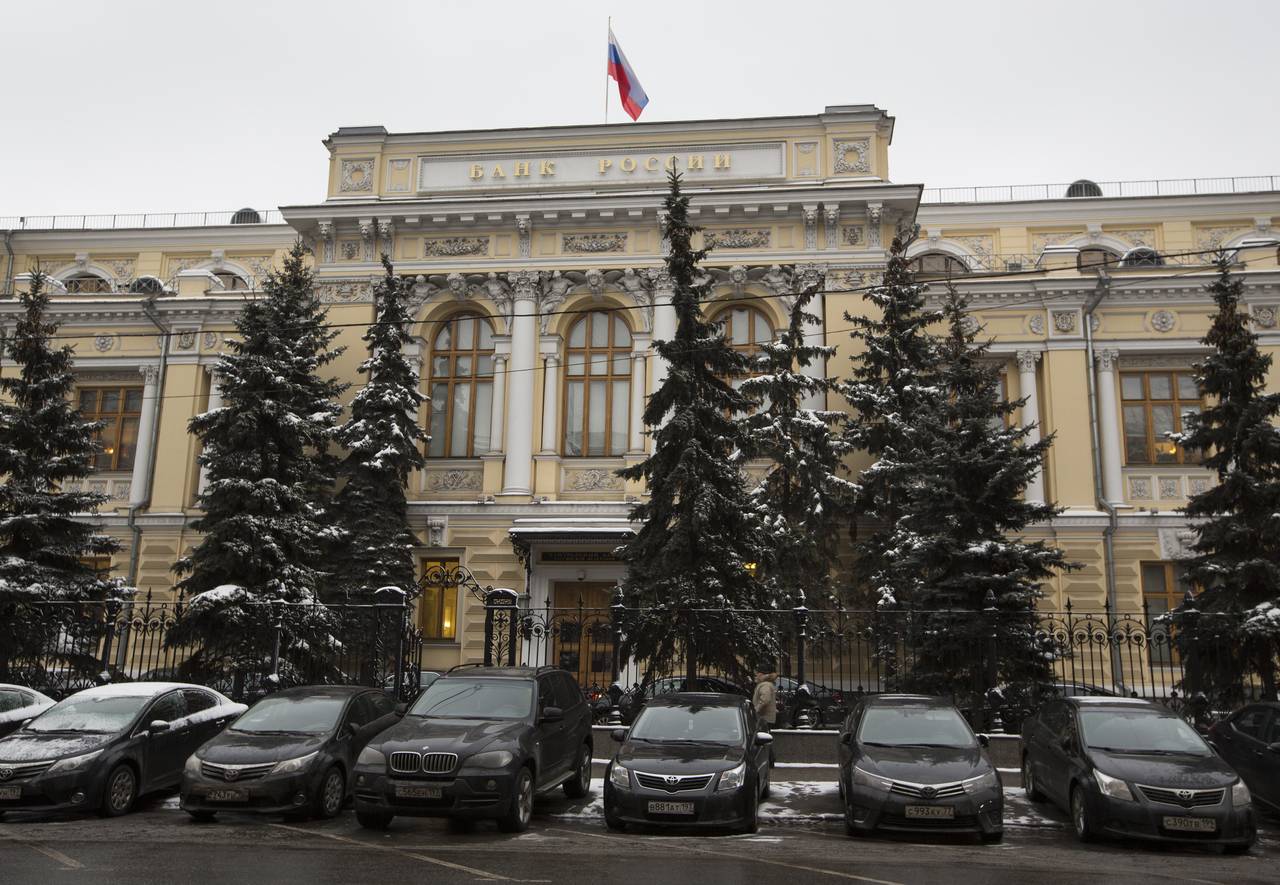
{"x": 233, "y": 236}
{"x": 1080, "y": 211}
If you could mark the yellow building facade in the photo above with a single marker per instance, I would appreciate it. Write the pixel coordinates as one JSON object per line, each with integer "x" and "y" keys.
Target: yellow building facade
{"x": 539, "y": 287}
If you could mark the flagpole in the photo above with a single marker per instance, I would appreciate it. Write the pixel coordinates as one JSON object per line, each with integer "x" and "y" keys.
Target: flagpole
{"x": 609, "y": 31}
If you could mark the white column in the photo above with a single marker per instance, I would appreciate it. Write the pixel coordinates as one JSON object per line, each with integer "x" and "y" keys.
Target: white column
{"x": 1109, "y": 427}
{"x": 810, "y": 275}
{"x": 215, "y": 402}
{"x": 550, "y": 400}
{"x": 1027, "y": 360}
{"x": 635, "y": 441}
{"x": 664, "y": 329}
{"x": 524, "y": 345}
{"x": 146, "y": 425}
{"x": 498, "y": 409}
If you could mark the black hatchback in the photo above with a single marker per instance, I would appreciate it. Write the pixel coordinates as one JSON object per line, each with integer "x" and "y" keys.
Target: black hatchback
{"x": 293, "y": 751}
{"x": 1128, "y": 767}
{"x": 1250, "y": 742}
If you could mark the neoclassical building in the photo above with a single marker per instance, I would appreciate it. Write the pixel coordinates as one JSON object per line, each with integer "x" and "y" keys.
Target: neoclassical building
{"x": 539, "y": 288}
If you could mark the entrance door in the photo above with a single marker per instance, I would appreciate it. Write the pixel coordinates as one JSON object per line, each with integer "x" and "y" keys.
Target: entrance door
{"x": 582, "y": 635}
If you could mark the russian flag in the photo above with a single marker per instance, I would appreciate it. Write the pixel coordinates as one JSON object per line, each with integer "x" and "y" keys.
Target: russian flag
{"x": 629, "y": 88}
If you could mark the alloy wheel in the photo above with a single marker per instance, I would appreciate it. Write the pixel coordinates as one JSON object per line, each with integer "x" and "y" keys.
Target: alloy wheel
{"x": 584, "y": 773}
{"x": 120, "y": 790}
{"x": 524, "y": 802}
{"x": 333, "y": 793}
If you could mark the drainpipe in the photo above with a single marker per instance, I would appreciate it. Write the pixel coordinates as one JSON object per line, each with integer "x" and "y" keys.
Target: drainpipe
{"x": 149, "y": 308}
{"x": 8, "y": 273}
{"x": 1109, "y": 533}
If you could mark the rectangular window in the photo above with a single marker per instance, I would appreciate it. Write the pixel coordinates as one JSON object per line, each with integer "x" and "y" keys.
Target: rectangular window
{"x": 1163, "y": 587}
{"x": 438, "y": 605}
{"x": 119, "y": 409}
{"x": 1154, "y": 405}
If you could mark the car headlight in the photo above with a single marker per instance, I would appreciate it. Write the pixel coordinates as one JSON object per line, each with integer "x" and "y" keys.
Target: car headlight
{"x": 292, "y": 766}
{"x": 1240, "y": 795}
{"x": 193, "y": 765}
{"x": 864, "y": 778}
{"x": 619, "y": 776}
{"x": 371, "y": 757}
{"x": 491, "y": 759}
{"x": 987, "y": 781}
{"x": 73, "y": 763}
{"x": 1112, "y": 786}
{"x": 733, "y": 778}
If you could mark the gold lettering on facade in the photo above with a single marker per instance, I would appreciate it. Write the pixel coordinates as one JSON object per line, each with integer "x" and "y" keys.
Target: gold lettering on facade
{"x": 671, "y": 163}
{"x": 604, "y": 166}
{"x": 477, "y": 171}
{"x": 695, "y": 161}
{"x": 651, "y": 164}
{"x": 722, "y": 161}
{"x": 522, "y": 169}
{"x": 498, "y": 173}
{"x": 547, "y": 167}
{"x": 628, "y": 164}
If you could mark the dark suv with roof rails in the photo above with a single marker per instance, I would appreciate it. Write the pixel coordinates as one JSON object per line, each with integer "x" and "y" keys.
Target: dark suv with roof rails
{"x": 479, "y": 743}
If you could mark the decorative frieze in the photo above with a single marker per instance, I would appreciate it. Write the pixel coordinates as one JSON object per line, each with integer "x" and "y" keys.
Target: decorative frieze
{"x": 1264, "y": 316}
{"x": 350, "y": 250}
{"x": 103, "y": 343}
{"x": 1140, "y": 488}
{"x": 594, "y": 243}
{"x": 852, "y": 235}
{"x": 1064, "y": 321}
{"x": 454, "y": 247}
{"x": 1163, "y": 321}
{"x": 852, "y": 156}
{"x": 357, "y": 176}
{"x": 739, "y": 239}
{"x": 348, "y": 291}
{"x": 1169, "y": 487}
{"x": 1040, "y": 240}
{"x": 592, "y": 479}
{"x": 455, "y": 479}
{"x": 980, "y": 246}
{"x": 1214, "y": 237}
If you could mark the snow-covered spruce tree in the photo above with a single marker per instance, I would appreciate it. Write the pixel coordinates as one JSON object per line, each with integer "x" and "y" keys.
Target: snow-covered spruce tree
{"x": 382, "y": 441}
{"x": 892, "y": 384}
{"x": 959, "y": 533}
{"x": 45, "y": 444}
{"x": 802, "y": 497}
{"x": 264, "y": 527}
{"x": 1231, "y": 632}
{"x": 692, "y": 595}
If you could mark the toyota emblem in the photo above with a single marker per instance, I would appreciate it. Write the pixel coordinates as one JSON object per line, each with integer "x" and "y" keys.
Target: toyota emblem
{"x": 927, "y": 792}
{"x": 6, "y": 773}
{"x": 672, "y": 780}
{"x": 231, "y": 774}
{"x": 1184, "y": 795}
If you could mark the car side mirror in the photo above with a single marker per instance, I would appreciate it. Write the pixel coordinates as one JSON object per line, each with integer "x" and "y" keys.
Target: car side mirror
{"x": 1274, "y": 748}
{"x": 157, "y": 726}
{"x": 763, "y": 738}
{"x": 618, "y": 734}
{"x": 847, "y": 738}
{"x": 1066, "y": 743}
{"x": 984, "y": 741}
{"x": 551, "y": 714}
{"x": 401, "y": 709}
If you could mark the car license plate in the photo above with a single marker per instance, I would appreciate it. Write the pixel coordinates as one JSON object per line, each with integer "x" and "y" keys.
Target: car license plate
{"x": 413, "y": 791}
{"x": 10, "y": 792}
{"x": 228, "y": 796}
{"x": 944, "y": 811}
{"x": 671, "y": 808}
{"x": 1191, "y": 824}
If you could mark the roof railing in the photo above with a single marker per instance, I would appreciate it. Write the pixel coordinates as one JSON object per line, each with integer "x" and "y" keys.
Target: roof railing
{"x": 1164, "y": 187}
{"x": 138, "y": 220}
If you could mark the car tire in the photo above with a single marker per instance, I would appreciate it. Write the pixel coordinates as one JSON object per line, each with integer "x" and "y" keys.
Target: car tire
{"x": 331, "y": 796}
{"x": 516, "y": 820}
{"x": 579, "y": 785}
{"x": 613, "y": 822}
{"x": 203, "y": 817}
{"x": 373, "y": 820}
{"x": 1028, "y": 781}
{"x": 119, "y": 792}
{"x": 1080, "y": 820}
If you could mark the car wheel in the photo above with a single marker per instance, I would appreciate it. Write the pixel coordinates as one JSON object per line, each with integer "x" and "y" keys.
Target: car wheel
{"x": 1028, "y": 781}
{"x": 373, "y": 820}
{"x": 1080, "y": 820}
{"x": 580, "y": 784}
{"x": 613, "y": 822}
{"x": 202, "y": 817}
{"x": 516, "y": 820}
{"x": 333, "y": 791}
{"x": 120, "y": 791}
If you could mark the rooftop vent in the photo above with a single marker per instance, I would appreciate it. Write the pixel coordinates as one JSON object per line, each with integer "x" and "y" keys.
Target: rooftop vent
{"x": 246, "y": 216}
{"x": 1084, "y": 188}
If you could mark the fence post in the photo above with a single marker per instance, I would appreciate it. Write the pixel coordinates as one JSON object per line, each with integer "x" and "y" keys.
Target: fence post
{"x": 616, "y": 612}
{"x": 404, "y": 630}
{"x": 802, "y": 621}
{"x": 113, "y": 608}
{"x": 991, "y": 612}
{"x": 277, "y": 611}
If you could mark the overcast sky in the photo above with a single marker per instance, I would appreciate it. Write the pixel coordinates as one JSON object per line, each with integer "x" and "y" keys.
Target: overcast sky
{"x": 130, "y": 105}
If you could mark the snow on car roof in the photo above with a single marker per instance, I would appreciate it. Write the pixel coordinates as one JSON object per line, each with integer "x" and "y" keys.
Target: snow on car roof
{"x": 1110, "y": 702}
{"x": 136, "y": 689}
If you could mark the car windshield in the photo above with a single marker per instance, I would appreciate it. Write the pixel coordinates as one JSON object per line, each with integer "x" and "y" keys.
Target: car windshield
{"x": 302, "y": 715}
{"x": 100, "y": 714}
{"x": 719, "y": 725}
{"x": 1139, "y": 731}
{"x": 475, "y": 699}
{"x": 915, "y": 726}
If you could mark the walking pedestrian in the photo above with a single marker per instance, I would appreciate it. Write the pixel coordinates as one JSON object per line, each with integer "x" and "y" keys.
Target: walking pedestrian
{"x": 765, "y": 700}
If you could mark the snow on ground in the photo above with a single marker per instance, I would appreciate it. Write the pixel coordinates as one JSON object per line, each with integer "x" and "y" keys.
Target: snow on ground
{"x": 801, "y": 800}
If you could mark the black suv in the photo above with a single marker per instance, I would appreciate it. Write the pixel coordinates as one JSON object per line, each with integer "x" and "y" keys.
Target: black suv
{"x": 479, "y": 743}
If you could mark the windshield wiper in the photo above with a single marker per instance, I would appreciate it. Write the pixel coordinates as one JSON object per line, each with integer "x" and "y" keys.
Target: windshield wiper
{"x": 1136, "y": 752}
{"x": 273, "y": 731}
{"x": 696, "y": 741}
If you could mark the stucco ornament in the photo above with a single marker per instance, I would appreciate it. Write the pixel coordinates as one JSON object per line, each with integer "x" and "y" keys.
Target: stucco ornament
{"x": 455, "y": 480}
{"x": 1264, "y": 315}
{"x": 1163, "y": 321}
{"x": 593, "y": 479}
{"x": 357, "y": 176}
{"x": 103, "y": 343}
{"x": 1064, "y": 321}
{"x": 738, "y": 239}
{"x": 1036, "y": 324}
{"x": 853, "y": 156}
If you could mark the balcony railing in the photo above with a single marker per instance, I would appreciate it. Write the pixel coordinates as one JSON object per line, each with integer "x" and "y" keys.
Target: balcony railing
{"x": 1004, "y": 193}
{"x": 137, "y": 220}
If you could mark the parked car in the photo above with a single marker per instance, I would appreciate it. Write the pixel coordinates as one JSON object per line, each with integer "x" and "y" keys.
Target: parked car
{"x": 912, "y": 763}
{"x": 18, "y": 704}
{"x": 1015, "y": 706}
{"x": 634, "y": 699}
{"x": 1128, "y": 767}
{"x": 1249, "y": 741}
{"x": 690, "y": 759}
{"x": 424, "y": 680}
{"x": 479, "y": 743}
{"x": 828, "y": 702}
{"x": 293, "y": 751}
{"x": 103, "y": 747}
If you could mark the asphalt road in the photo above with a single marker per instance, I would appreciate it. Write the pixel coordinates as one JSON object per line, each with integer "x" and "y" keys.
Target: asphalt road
{"x": 157, "y": 844}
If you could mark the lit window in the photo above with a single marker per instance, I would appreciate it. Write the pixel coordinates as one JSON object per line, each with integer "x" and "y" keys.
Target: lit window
{"x": 1156, "y": 404}
{"x": 119, "y": 409}
{"x": 597, "y": 389}
{"x": 438, "y": 604}
{"x": 461, "y": 388}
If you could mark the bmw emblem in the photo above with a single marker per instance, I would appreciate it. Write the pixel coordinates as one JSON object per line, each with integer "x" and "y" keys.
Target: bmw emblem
{"x": 6, "y": 773}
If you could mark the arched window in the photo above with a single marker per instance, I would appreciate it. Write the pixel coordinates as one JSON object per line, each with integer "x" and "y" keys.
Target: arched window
{"x": 597, "y": 388}
{"x": 937, "y": 266}
{"x": 146, "y": 286}
{"x": 461, "y": 388}
{"x": 231, "y": 282}
{"x": 746, "y": 328}
{"x": 1142, "y": 257}
{"x": 86, "y": 284}
{"x": 1094, "y": 258}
